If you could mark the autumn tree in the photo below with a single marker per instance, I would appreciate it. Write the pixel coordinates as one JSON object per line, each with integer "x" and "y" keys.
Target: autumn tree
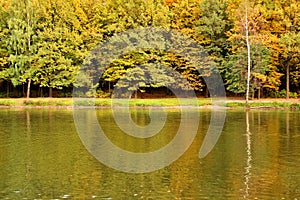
{"x": 282, "y": 22}
{"x": 236, "y": 74}
{"x": 290, "y": 43}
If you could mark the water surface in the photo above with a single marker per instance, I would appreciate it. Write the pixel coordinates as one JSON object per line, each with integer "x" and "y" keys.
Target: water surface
{"x": 42, "y": 157}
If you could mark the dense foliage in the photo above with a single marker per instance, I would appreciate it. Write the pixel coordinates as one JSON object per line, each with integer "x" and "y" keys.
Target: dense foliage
{"x": 44, "y": 43}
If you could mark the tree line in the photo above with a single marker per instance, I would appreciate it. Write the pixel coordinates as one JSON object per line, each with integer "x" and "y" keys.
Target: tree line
{"x": 44, "y": 43}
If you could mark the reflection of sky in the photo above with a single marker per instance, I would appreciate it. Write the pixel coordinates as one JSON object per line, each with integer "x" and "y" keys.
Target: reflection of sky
{"x": 249, "y": 158}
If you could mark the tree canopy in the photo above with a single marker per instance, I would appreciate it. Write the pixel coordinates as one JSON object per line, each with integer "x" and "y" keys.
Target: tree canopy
{"x": 44, "y": 44}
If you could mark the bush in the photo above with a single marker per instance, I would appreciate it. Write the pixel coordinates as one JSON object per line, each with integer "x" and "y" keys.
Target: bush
{"x": 3, "y": 95}
{"x": 295, "y": 106}
{"x": 282, "y": 94}
{"x": 293, "y": 95}
{"x": 102, "y": 94}
{"x": 66, "y": 94}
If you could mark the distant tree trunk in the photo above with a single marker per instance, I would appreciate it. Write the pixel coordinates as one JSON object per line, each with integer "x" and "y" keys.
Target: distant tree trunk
{"x": 287, "y": 82}
{"x": 7, "y": 89}
{"x": 258, "y": 94}
{"x": 29, "y": 47}
{"x": 41, "y": 92}
{"x": 135, "y": 94}
{"x": 23, "y": 90}
{"x": 206, "y": 92}
{"x": 28, "y": 88}
{"x": 50, "y": 92}
{"x": 109, "y": 86}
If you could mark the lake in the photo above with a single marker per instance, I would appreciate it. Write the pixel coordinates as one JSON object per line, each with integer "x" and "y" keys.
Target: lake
{"x": 256, "y": 156}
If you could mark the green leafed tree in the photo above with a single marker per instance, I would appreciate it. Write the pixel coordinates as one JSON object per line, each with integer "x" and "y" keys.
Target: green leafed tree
{"x": 213, "y": 26}
{"x": 57, "y": 65}
{"x": 140, "y": 78}
{"x": 21, "y": 42}
{"x": 290, "y": 54}
{"x": 236, "y": 70}
{"x": 4, "y": 35}
{"x": 247, "y": 32}
{"x": 61, "y": 47}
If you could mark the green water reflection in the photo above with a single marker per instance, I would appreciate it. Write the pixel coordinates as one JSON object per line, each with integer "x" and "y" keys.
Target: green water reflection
{"x": 42, "y": 157}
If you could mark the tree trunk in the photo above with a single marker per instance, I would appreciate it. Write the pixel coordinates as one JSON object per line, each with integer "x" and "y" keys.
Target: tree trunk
{"x": 287, "y": 82}
{"x": 50, "y": 92}
{"x": 28, "y": 88}
{"x": 258, "y": 94}
{"x": 135, "y": 94}
{"x": 249, "y": 58}
{"x": 23, "y": 90}
{"x": 7, "y": 90}
{"x": 206, "y": 92}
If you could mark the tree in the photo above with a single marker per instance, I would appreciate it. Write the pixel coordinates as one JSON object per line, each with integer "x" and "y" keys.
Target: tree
{"x": 282, "y": 18}
{"x": 213, "y": 26}
{"x": 211, "y": 31}
{"x": 247, "y": 32}
{"x": 185, "y": 16}
{"x": 290, "y": 43}
{"x": 21, "y": 41}
{"x": 146, "y": 76}
{"x": 61, "y": 49}
{"x": 57, "y": 65}
{"x": 4, "y": 54}
{"x": 248, "y": 54}
{"x": 155, "y": 69}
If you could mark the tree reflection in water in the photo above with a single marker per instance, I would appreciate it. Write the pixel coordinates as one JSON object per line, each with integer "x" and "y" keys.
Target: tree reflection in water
{"x": 249, "y": 157}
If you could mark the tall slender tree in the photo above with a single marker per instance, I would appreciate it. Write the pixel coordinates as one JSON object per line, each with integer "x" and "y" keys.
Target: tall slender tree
{"x": 248, "y": 53}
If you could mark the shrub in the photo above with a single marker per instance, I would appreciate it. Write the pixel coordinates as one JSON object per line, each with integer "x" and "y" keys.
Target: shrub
{"x": 102, "y": 94}
{"x": 282, "y": 94}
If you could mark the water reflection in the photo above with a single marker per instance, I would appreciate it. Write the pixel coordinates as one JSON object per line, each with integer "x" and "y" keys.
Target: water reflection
{"x": 28, "y": 120}
{"x": 96, "y": 140}
{"x": 249, "y": 157}
{"x": 257, "y": 156}
{"x": 287, "y": 125}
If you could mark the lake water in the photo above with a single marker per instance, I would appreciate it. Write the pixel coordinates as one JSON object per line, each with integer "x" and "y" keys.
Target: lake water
{"x": 42, "y": 157}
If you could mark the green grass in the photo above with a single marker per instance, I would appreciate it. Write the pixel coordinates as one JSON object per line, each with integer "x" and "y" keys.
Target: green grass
{"x": 266, "y": 104}
{"x": 47, "y": 102}
{"x": 8, "y": 102}
{"x": 36, "y": 102}
{"x": 164, "y": 102}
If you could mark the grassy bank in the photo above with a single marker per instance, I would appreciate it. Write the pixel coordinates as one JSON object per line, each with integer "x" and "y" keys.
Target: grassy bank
{"x": 270, "y": 104}
{"x": 166, "y": 102}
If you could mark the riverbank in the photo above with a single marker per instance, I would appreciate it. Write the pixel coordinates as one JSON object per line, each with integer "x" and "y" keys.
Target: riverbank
{"x": 293, "y": 104}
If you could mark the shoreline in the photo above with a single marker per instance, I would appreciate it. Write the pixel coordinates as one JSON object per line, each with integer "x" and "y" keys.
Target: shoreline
{"x": 167, "y": 103}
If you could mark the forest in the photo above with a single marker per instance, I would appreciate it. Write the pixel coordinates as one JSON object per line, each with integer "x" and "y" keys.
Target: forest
{"x": 45, "y": 42}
